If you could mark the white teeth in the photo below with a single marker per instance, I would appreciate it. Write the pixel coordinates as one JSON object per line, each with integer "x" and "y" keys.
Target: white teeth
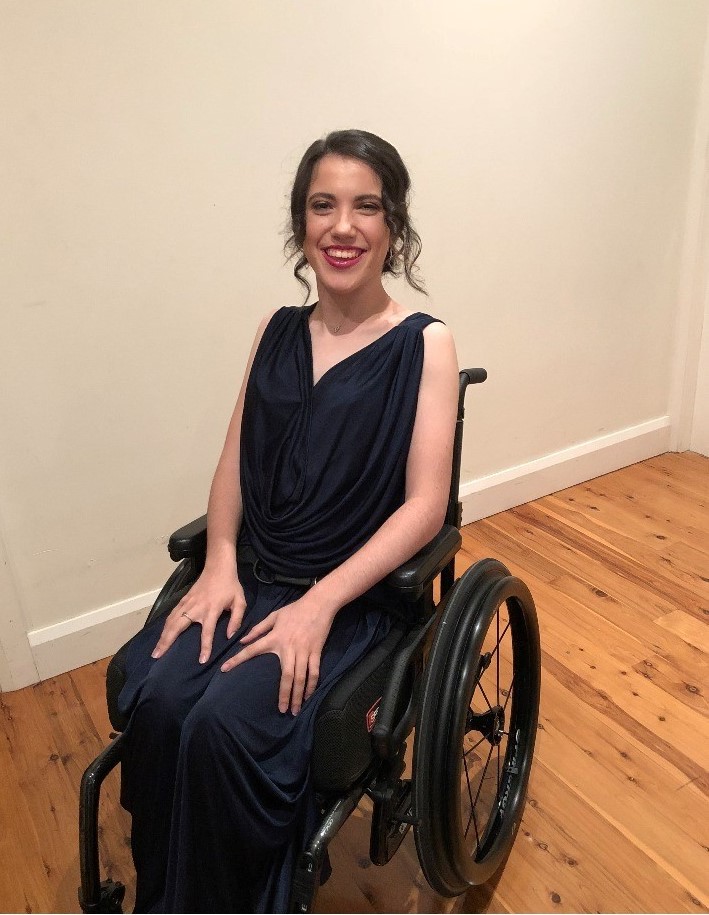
{"x": 342, "y": 254}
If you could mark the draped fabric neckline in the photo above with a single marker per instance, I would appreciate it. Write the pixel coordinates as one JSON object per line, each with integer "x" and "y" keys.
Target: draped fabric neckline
{"x": 324, "y": 465}
{"x": 346, "y": 359}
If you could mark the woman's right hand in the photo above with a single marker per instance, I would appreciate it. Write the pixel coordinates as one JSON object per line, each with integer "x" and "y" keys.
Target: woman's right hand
{"x": 214, "y": 592}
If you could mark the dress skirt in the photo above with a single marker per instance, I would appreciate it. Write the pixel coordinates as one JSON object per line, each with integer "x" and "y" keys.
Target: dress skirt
{"x": 215, "y": 777}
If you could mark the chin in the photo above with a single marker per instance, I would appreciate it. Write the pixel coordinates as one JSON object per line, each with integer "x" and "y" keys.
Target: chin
{"x": 349, "y": 286}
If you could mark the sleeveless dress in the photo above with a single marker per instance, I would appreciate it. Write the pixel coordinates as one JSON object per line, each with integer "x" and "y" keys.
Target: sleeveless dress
{"x": 215, "y": 777}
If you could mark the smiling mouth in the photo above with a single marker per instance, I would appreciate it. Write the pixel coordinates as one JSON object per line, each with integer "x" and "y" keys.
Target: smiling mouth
{"x": 342, "y": 258}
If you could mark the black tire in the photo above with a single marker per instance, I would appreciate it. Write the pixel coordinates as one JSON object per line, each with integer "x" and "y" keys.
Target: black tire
{"x": 476, "y": 728}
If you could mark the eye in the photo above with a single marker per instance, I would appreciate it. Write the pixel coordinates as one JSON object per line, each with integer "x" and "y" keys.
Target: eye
{"x": 320, "y": 206}
{"x": 370, "y": 207}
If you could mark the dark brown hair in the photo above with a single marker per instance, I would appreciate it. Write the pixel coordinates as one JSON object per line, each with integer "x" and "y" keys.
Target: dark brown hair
{"x": 387, "y": 164}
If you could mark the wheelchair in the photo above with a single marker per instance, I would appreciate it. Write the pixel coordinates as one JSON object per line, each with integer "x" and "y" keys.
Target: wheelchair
{"x": 463, "y": 674}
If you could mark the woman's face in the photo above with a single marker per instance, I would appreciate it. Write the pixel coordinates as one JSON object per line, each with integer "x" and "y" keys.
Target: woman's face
{"x": 346, "y": 235}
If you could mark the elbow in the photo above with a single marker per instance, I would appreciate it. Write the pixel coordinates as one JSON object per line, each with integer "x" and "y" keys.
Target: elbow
{"x": 432, "y": 521}
{"x": 426, "y": 514}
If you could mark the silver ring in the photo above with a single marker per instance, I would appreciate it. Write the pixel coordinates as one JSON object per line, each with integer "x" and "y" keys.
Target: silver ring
{"x": 188, "y": 617}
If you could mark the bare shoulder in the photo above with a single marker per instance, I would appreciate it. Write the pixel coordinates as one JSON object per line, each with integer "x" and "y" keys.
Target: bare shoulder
{"x": 437, "y": 402}
{"x": 437, "y": 330}
{"x": 439, "y": 345}
{"x": 263, "y": 324}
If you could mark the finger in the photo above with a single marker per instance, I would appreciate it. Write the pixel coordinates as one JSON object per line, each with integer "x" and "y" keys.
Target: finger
{"x": 235, "y": 618}
{"x": 172, "y": 628}
{"x": 205, "y": 649}
{"x": 260, "y": 629}
{"x": 313, "y": 676}
{"x": 287, "y": 676}
{"x": 245, "y": 654}
{"x": 183, "y": 604}
{"x": 300, "y": 675}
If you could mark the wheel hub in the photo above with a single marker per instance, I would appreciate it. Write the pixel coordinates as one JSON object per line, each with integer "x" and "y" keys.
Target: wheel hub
{"x": 490, "y": 724}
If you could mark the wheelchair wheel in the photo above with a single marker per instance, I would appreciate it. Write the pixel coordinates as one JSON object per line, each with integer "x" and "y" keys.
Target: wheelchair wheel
{"x": 476, "y": 728}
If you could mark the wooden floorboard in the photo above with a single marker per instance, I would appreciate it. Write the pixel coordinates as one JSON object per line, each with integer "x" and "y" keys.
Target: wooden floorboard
{"x": 618, "y": 812}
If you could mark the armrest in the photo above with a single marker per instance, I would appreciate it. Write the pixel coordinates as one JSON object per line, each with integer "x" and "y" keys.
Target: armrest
{"x": 410, "y": 578}
{"x": 190, "y": 541}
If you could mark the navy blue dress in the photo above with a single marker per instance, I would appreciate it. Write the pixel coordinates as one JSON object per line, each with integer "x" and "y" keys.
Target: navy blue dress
{"x": 215, "y": 777}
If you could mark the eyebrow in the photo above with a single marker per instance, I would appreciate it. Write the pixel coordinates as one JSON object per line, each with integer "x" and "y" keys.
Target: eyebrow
{"x": 358, "y": 199}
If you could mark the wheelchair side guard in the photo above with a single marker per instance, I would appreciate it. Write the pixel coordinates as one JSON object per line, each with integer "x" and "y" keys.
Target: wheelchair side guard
{"x": 342, "y": 739}
{"x": 393, "y": 724}
{"x": 489, "y": 631}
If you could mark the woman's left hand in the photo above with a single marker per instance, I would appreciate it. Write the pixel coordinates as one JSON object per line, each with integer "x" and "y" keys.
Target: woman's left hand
{"x": 296, "y": 634}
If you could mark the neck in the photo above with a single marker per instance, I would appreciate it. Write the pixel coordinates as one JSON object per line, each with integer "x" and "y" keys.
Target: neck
{"x": 334, "y": 309}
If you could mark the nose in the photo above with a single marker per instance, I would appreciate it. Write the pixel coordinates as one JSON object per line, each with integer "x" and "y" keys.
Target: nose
{"x": 343, "y": 227}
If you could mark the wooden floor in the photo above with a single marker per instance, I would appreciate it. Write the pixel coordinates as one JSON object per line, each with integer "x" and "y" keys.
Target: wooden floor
{"x": 618, "y": 813}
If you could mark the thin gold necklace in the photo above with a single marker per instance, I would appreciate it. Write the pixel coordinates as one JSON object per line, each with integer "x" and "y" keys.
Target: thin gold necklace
{"x": 333, "y": 330}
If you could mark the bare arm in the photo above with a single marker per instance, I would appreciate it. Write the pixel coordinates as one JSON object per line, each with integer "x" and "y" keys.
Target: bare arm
{"x": 296, "y": 633}
{"x": 218, "y": 587}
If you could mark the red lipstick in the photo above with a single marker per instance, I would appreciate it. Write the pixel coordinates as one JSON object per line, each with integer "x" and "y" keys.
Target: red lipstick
{"x": 343, "y": 263}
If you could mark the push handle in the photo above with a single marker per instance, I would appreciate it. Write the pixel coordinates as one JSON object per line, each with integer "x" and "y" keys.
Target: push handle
{"x": 474, "y": 376}
{"x": 466, "y": 377}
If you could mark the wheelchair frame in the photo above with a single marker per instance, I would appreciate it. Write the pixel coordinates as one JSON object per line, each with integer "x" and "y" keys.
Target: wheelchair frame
{"x": 453, "y": 635}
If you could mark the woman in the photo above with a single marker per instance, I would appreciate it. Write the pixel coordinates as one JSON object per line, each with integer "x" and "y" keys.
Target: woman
{"x": 335, "y": 470}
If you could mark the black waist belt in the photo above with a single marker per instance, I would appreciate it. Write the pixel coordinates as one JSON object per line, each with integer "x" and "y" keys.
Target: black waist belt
{"x": 268, "y": 576}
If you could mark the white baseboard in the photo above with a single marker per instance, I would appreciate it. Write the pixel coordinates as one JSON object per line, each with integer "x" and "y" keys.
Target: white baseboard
{"x": 497, "y": 492}
{"x": 86, "y": 638}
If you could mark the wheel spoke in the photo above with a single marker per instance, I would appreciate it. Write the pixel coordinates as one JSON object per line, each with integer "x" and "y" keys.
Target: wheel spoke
{"x": 509, "y": 693}
{"x": 470, "y": 795}
{"x": 495, "y": 651}
{"x": 475, "y": 824}
{"x": 475, "y": 746}
{"x": 500, "y": 637}
{"x": 467, "y": 825}
{"x": 482, "y": 777}
{"x": 489, "y": 705}
{"x": 472, "y": 818}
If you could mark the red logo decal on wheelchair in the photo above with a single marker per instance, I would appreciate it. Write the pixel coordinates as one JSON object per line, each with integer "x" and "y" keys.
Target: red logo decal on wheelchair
{"x": 372, "y": 715}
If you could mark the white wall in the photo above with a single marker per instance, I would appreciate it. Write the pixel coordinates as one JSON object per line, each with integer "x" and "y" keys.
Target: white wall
{"x": 700, "y": 419}
{"x": 146, "y": 157}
